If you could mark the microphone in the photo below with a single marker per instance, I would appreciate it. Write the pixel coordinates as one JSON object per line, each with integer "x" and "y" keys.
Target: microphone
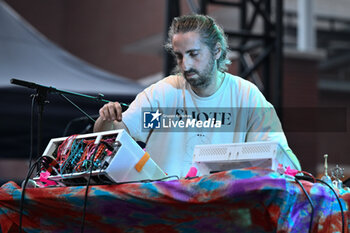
{"x": 23, "y": 83}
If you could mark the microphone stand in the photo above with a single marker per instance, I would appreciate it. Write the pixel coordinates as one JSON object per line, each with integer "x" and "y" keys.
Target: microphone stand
{"x": 41, "y": 100}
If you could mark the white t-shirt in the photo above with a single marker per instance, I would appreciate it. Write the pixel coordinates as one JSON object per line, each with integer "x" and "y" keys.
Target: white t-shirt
{"x": 238, "y": 104}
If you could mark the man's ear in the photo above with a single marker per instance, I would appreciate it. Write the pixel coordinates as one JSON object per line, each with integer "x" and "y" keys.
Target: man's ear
{"x": 217, "y": 51}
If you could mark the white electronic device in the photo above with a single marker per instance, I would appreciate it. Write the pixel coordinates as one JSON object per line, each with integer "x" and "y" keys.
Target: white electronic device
{"x": 222, "y": 157}
{"x": 126, "y": 162}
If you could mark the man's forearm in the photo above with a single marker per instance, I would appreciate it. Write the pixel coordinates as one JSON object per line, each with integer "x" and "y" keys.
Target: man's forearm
{"x": 101, "y": 125}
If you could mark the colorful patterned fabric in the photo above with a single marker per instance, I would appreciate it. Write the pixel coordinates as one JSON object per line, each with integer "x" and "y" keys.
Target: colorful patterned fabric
{"x": 247, "y": 200}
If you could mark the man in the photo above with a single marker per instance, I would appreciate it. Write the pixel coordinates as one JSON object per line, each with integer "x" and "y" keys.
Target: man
{"x": 200, "y": 91}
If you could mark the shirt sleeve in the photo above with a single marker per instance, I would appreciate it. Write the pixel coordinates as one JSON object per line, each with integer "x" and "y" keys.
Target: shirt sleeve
{"x": 152, "y": 98}
{"x": 133, "y": 116}
{"x": 264, "y": 124}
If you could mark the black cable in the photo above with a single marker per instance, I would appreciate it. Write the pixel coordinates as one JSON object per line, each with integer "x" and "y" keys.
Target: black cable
{"x": 88, "y": 184}
{"x": 307, "y": 178}
{"x": 310, "y": 201}
{"x": 30, "y": 171}
{"x": 150, "y": 180}
{"x": 87, "y": 187}
{"x": 341, "y": 207}
{"x": 105, "y": 182}
{"x": 31, "y": 130}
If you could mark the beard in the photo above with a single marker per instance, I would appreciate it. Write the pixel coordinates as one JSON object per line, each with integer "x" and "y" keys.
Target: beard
{"x": 202, "y": 79}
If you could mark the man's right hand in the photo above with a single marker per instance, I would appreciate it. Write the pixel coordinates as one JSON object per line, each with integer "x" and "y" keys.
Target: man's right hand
{"x": 110, "y": 118}
{"x": 111, "y": 111}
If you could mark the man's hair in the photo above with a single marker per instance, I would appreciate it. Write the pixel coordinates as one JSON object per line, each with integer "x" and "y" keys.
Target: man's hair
{"x": 210, "y": 33}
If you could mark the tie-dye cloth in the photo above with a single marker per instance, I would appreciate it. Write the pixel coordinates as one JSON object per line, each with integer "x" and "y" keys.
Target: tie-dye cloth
{"x": 246, "y": 200}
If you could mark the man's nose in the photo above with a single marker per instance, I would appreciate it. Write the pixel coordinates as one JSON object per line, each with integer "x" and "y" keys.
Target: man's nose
{"x": 186, "y": 64}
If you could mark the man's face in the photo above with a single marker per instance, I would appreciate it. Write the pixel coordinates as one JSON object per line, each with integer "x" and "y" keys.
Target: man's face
{"x": 194, "y": 59}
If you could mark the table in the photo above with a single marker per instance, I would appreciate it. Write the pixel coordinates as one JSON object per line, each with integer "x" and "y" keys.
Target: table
{"x": 245, "y": 200}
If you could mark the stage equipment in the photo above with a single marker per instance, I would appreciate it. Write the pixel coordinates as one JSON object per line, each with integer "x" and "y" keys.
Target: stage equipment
{"x": 222, "y": 157}
{"x": 114, "y": 155}
{"x": 41, "y": 99}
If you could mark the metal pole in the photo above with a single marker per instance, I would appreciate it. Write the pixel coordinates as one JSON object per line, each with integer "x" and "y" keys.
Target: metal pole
{"x": 203, "y": 7}
{"x": 243, "y": 26}
{"x": 267, "y": 64}
{"x": 306, "y": 29}
{"x": 172, "y": 11}
{"x": 278, "y": 83}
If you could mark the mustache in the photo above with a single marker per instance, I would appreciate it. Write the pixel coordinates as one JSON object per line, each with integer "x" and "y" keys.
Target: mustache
{"x": 190, "y": 71}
